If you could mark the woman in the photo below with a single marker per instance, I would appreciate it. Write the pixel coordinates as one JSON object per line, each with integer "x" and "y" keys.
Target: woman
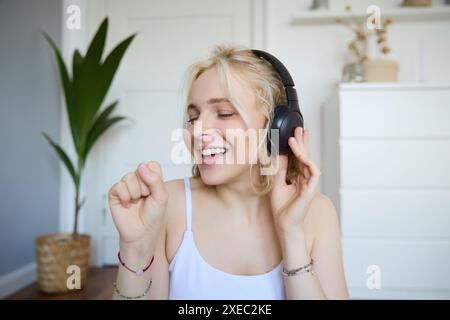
{"x": 230, "y": 231}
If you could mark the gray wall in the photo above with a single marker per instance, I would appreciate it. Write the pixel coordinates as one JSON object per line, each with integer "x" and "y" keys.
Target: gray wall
{"x": 29, "y": 104}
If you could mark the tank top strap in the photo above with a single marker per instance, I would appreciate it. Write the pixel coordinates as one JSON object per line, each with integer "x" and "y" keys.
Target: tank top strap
{"x": 188, "y": 201}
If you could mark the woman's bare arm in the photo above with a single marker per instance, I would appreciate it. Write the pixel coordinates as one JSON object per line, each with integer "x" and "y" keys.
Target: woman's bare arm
{"x": 138, "y": 204}
{"x": 329, "y": 279}
{"x": 327, "y": 251}
{"x": 131, "y": 285}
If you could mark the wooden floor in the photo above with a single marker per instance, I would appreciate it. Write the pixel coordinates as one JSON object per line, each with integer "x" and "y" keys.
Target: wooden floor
{"x": 99, "y": 286}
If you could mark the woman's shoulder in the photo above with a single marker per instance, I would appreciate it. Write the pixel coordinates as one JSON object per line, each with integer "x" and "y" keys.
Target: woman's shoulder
{"x": 175, "y": 189}
{"x": 176, "y": 204}
{"x": 174, "y": 218}
{"x": 321, "y": 214}
{"x": 321, "y": 203}
{"x": 174, "y": 186}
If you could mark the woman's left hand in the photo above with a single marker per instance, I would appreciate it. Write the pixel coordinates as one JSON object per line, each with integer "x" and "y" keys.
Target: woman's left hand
{"x": 290, "y": 202}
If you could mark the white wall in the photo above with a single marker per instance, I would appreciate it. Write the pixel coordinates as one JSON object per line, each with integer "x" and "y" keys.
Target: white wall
{"x": 315, "y": 55}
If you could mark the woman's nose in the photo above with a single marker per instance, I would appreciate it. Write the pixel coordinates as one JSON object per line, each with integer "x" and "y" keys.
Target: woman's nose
{"x": 204, "y": 130}
{"x": 203, "y": 125}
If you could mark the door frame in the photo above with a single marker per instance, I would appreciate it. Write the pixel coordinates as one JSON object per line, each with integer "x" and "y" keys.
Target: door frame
{"x": 95, "y": 209}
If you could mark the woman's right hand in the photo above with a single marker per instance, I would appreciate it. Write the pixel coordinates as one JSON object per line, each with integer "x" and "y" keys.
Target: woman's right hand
{"x": 138, "y": 204}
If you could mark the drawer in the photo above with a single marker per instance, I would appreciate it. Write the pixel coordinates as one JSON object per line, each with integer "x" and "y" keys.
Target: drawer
{"x": 395, "y": 113}
{"x": 404, "y": 264}
{"x": 403, "y": 213}
{"x": 395, "y": 163}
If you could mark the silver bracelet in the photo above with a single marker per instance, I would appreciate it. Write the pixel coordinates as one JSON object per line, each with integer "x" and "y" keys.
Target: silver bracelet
{"x": 132, "y": 298}
{"x": 304, "y": 269}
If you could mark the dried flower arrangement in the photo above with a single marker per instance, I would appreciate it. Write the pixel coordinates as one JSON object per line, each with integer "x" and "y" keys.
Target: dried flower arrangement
{"x": 367, "y": 68}
{"x": 381, "y": 37}
{"x": 358, "y": 46}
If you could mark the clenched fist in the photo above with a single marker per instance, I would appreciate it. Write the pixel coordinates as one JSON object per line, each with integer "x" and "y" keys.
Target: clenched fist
{"x": 138, "y": 203}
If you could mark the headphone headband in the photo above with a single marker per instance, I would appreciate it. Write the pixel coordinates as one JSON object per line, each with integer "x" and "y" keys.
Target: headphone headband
{"x": 286, "y": 118}
{"x": 279, "y": 67}
{"x": 286, "y": 79}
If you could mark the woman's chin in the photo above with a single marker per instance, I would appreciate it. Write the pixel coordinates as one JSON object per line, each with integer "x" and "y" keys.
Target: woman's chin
{"x": 212, "y": 175}
{"x": 221, "y": 174}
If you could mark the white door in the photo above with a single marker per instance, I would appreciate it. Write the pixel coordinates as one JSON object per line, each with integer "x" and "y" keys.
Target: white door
{"x": 171, "y": 35}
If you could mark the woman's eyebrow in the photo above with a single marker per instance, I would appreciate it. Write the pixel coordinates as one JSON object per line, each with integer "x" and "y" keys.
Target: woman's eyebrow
{"x": 217, "y": 100}
{"x": 210, "y": 101}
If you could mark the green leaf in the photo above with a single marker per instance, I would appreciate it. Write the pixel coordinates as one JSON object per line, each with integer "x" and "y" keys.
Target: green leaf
{"x": 88, "y": 89}
{"x": 105, "y": 113}
{"x": 65, "y": 159}
{"x": 77, "y": 60}
{"x": 68, "y": 93}
{"x": 95, "y": 50}
{"x": 97, "y": 123}
{"x": 109, "y": 67}
{"x": 100, "y": 127}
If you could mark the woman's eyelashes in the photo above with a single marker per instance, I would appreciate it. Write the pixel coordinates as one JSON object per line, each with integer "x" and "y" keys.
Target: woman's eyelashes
{"x": 191, "y": 120}
{"x": 224, "y": 115}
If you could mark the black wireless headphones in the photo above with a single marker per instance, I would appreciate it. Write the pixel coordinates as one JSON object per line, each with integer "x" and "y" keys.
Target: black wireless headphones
{"x": 286, "y": 118}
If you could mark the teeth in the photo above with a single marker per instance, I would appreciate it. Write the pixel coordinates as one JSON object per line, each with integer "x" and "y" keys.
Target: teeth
{"x": 210, "y": 151}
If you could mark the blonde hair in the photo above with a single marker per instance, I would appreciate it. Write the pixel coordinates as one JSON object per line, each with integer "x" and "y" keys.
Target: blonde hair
{"x": 269, "y": 92}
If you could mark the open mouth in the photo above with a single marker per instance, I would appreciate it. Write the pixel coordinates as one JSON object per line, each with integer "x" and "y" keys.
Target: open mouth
{"x": 212, "y": 155}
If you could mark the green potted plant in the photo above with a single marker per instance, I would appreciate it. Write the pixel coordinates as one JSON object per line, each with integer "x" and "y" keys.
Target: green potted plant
{"x": 84, "y": 92}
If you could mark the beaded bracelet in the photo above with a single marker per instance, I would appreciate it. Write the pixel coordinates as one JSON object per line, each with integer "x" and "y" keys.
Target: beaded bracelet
{"x": 304, "y": 269}
{"x": 135, "y": 297}
{"x": 138, "y": 272}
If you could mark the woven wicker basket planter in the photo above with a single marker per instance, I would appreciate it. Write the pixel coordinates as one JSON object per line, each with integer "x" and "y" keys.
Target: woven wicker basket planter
{"x": 54, "y": 253}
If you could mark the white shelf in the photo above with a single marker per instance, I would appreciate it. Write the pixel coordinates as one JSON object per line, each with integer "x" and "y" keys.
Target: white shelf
{"x": 394, "y": 86}
{"x": 322, "y": 16}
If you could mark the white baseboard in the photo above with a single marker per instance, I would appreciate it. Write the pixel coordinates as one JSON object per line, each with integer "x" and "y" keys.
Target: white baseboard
{"x": 399, "y": 294}
{"x": 17, "y": 279}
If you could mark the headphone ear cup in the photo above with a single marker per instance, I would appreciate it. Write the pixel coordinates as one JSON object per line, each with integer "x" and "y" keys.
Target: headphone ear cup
{"x": 280, "y": 114}
{"x": 285, "y": 121}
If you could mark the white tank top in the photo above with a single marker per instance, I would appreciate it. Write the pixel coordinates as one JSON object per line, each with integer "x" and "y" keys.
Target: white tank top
{"x": 192, "y": 278}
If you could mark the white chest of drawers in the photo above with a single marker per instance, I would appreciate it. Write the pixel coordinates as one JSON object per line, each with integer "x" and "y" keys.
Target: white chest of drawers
{"x": 386, "y": 166}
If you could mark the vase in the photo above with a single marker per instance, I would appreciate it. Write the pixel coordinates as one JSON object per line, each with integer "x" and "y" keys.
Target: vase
{"x": 381, "y": 70}
{"x": 353, "y": 72}
{"x": 54, "y": 254}
{"x": 319, "y": 4}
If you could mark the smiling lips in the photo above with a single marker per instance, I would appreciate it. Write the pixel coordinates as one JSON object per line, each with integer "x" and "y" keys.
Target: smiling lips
{"x": 211, "y": 155}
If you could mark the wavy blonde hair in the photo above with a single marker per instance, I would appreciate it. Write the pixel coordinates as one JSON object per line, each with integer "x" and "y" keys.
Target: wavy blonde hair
{"x": 269, "y": 92}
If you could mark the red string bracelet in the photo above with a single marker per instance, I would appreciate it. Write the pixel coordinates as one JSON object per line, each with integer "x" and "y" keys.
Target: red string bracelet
{"x": 138, "y": 272}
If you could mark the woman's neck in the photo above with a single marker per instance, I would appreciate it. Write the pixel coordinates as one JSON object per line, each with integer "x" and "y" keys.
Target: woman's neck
{"x": 240, "y": 199}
